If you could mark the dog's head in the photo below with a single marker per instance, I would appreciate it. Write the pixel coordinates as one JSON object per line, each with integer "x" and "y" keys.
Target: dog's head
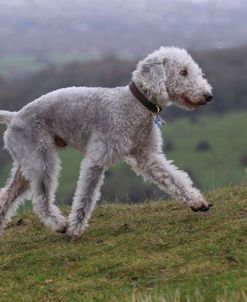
{"x": 170, "y": 75}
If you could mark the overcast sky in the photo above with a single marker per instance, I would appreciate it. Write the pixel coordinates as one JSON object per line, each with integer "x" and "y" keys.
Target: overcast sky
{"x": 118, "y": 26}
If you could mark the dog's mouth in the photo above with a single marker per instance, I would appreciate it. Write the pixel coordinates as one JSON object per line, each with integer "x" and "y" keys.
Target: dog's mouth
{"x": 191, "y": 105}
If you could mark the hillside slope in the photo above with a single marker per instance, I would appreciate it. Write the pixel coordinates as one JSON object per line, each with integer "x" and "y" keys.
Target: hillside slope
{"x": 130, "y": 251}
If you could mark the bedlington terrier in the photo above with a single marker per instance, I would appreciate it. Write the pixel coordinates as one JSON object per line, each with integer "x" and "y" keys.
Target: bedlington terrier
{"x": 106, "y": 125}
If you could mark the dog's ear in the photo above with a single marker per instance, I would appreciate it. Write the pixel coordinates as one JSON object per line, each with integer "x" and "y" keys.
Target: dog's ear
{"x": 154, "y": 79}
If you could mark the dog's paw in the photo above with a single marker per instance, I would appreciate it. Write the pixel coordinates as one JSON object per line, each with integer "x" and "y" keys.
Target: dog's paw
{"x": 61, "y": 228}
{"x": 203, "y": 208}
{"x": 74, "y": 234}
{"x": 57, "y": 224}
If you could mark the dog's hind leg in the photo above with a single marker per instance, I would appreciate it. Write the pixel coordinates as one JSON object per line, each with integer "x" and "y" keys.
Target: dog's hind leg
{"x": 86, "y": 196}
{"x": 12, "y": 195}
{"x": 43, "y": 173}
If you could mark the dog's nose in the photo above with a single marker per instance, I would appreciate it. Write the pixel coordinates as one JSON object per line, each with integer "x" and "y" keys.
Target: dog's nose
{"x": 208, "y": 97}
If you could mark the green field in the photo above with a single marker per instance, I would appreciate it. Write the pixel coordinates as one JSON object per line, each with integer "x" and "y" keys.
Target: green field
{"x": 217, "y": 166}
{"x": 132, "y": 253}
{"x": 19, "y": 64}
{"x": 25, "y": 64}
{"x": 221, "y": 163}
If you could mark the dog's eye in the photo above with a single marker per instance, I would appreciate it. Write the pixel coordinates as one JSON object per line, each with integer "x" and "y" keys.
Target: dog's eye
{"x": 184, "y": 72}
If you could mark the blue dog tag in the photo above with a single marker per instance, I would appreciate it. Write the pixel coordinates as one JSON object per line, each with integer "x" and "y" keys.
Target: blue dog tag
{"x": 159, "y": 121}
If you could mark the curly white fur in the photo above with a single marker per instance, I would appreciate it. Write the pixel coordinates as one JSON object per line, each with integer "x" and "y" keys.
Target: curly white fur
{"x": 106, "y": 125}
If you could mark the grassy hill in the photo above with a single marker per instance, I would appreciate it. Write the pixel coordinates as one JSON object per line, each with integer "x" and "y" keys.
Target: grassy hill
{"x": 132, "y": 253}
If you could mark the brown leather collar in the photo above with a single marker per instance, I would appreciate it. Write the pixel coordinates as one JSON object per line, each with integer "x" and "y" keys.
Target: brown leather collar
{"x": 141, "y": 98}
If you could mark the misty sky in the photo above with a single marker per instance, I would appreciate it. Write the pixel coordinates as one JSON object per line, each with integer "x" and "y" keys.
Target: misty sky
{"x": 117, "y": 26}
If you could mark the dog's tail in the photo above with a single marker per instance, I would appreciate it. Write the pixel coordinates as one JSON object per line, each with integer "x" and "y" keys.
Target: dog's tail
{"x": 6, "y": 116}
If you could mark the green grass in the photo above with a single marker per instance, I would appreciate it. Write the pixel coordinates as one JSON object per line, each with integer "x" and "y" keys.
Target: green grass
{"x": 132, "y": 253}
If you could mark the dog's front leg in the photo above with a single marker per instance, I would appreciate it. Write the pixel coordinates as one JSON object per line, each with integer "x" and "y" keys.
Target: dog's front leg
{"x": 156, "y": 168}
{"x": 86, "y": 196}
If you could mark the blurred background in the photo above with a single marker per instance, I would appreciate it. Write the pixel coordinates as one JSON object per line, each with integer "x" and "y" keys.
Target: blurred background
{"x": 45, "y": 45}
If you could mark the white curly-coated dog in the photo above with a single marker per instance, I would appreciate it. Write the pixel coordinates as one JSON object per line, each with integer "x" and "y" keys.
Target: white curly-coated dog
{"x": 105, "y": 124}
